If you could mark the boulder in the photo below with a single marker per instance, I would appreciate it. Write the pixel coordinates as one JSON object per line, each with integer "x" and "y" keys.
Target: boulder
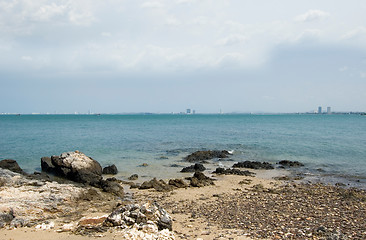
{"x": 198, "y": 167}
{"x": 133, "y": 177}
{"x": 112, "y": 186}
{"x": 233, "y": 171}
{"x": 200, "y": 156}
{"x": 178, "y": 183}
{"x": 11, "y": 165}
{"x": 200, "y": 180}
{"x": 253, "y": 165}
{"x": 46, "y": 165}
{"x": 75, "y": 166}
{"x": 158, "y": 185}
{"x": 287, "y": 163}
{"x": 112, "y": 169}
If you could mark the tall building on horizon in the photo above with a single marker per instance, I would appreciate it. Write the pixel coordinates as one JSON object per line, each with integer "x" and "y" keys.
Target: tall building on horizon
{"x": 319, "y": 110}
{"x": 329, "y": 110}
{"x": 188, "y": 111}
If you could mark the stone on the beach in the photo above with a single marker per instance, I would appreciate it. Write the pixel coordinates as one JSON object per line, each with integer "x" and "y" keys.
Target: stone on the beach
{"x": 233, "y": 171}
{"x": 112, "y": 169}
{"x": 253, "y": 165}
{"x": 198, "y": 167}
{"x": 149, "y": 213}
{"x": 46, "y": 165}
{"x": 111, "y": 185}
{"x": 6, "y": 217}
{"x": 75, "y": 166}
{"x": 133, "y": 177}
{"x": 158, "y": 185}
{"x": 287, "y": 163}
{"x": 179, "y": 183}
{"x": 11, "y": 165}
{"x": 200, "y": 156}
{"x": 200, "y": 180}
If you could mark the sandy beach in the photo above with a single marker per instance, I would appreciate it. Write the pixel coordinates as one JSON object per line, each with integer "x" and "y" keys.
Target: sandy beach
{"x": 235, "y": 207}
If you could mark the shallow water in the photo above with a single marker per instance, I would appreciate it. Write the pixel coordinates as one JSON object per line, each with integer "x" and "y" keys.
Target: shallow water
{"x": 331, "y": 146}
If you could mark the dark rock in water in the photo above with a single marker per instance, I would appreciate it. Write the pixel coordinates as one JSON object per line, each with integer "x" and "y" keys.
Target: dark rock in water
{"x": 198, "y": 167}
{"x": 179, "y": 183}
{"x": 11, "y": 165}
{"x": 233, "y": 171}
{"x": 112, "y": 169}
{"x": 133, "y": 177}
{"x": 158, "y": 185}
{"x": 253, "y": 165}
{"x": 200, "y": 156}
{"x": 287, "y": 163}
{"x": 111, "y": 185}
{"x": 200, "y": 180}
{"x": 175, "y": 165}
{"x": 75, "y": 166}
{"x": 143, "y": 165}
{"x": 46, "y": 165}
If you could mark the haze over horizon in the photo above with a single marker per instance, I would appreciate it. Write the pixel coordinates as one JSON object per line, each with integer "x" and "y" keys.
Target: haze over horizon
{"x": 165, "y": 56}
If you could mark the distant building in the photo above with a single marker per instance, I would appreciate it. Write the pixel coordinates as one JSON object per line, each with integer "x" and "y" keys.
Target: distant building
{"x": 329, "y": 110}
{"x": 319, "y": 110}
{"x": 188, "y": 111}
{"x": 194, "y": 111}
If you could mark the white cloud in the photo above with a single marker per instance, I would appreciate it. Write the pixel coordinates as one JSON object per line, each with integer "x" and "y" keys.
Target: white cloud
{"x": 309, "y": 35}
{"x": 152, "y": 4}
{"x": 106, "y": 34}
{"x": 46, "y": 12}
{"x": 312, "y": 15}
{"x": 355, "y": 33}
{"x": 27, "y": 58}
{"x": 185, "y": 1}
{"x": 231, "y": 40}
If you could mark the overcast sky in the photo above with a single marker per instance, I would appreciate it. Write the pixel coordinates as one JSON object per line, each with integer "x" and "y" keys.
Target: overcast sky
{"x": 169, "y": 55}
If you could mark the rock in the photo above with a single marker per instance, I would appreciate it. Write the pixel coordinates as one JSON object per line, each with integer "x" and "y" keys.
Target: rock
{"x": 159, "y": 186}
{"x": 200, "y": 156}
{"x": 133, "y": 177}
{"x": 75, "y": 166}
{"x": 287, "y": 163}
{"x": 179, "y": 183}
{"x": 253, "y": 165}
{"x": 200, "y": 180}
{"x": 175, "y": 165}
{"x": 111, "y": 185}
{"x": 233, "y": 171}
{"x": 149, "y": 213}
{"x": 198, "y": 167}
{"x": 112, "y": 169}
{"x": 143, "y": 165}
{"x": 11, "y": 165}
{"x": 46, "y": 165}
{"x": 6, "y": 217}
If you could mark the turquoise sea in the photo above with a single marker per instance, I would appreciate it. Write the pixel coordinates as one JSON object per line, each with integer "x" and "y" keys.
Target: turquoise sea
{"x": 332, "y": 147}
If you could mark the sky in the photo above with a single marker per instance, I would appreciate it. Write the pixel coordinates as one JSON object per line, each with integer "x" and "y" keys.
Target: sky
{"x": 118, "y": 56}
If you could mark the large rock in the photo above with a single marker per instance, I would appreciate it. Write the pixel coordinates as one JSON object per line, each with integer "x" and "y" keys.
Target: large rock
{"x": 11, "y": 165}
{"x": 158, "y": 185}
{"x": 75, "y": 166}
{"x": 233, "y": 171}
{"x": 112, "y": 169}
{"x": 198, "y": 167}
{"x": 287, "y": 163}
{"x": 253, "y": 165}
{"x": 200, "y": 156}
{"x": 200, "y": 180}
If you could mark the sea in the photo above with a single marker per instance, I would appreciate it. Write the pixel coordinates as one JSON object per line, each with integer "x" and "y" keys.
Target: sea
{"x": 332, "y": 147}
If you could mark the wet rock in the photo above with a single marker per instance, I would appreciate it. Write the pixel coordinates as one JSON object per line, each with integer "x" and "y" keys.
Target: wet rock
{"x": 158, "y": 185}
{"x": 179, "y": 183}
{"x": 200, "y": 156}
{"x": 75, "y": 166}
{"x": 287, "y": 163}
{"x": 112, "y": 169}
{"x": 233, "y": 171}
{"x": 147, "y": 214}
{"x": 133, "y": 177}
{"x": 198, "y": 167}
{"x": 253, "y": 165}
{"x": 200, "y": 180}
{"x": 11, "y": 165}
{"x": 46, "y": 165}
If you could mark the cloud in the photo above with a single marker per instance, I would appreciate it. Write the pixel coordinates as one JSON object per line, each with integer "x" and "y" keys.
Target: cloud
{"x": 27, "y": 58}
{"x": 185, "y": 1}
{"x": 152, "y": 4}
{"x": 106, "y": 34}
{"x": 231, "y": 40}
{"x": 355, "y": 33}
{"x": 312, "y": 15}
{"x": 309, "y": 35}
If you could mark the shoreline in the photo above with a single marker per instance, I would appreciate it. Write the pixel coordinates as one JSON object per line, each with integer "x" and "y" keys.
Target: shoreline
{"x": 220, "y": 211}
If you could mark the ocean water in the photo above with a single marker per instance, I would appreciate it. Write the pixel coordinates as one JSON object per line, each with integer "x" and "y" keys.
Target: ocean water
{"x": 332, "y": 147}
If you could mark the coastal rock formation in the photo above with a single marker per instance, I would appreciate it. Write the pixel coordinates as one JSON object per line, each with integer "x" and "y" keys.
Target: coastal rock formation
{"x": 253, "y": 165}
{"x": 11, "y": 165}
{"x": 233, "y": 171}
{"x": 200, "y": 180}
{"x": 112, "y": 169}
{"x": 158, "y": 185}
{"x": 133, "y": 177}
{"x": 75, "y": 166}
{"x": 287, "y": 163}
{"x": 111, "y": 185}
{"x": 178, "y": 183}
{"x": 198, "y": 167}
{"x": 201, "y": 156}
{"x": 144, "y": 215}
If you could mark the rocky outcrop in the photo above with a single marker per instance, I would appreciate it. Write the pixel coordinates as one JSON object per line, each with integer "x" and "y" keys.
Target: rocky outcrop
{"x": 133, "y": 177}
{"x": 147, "y": 214}
{"x": 158, "y": 185}
{"x": 200, "y": 180}
{"x": 287, "y": 163}
{"x": 233, "y": 171}
{"x": 178, "y": 183}
{"x": 11, "y": 165}
{"x": 253, "y": 165}
{"x": 112, "y": 170}
{"x": 75, "y": 166}
{"x": 201, "y": 156}
{"x": 111, "y": 185}
{"x": 198, "y": 167}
